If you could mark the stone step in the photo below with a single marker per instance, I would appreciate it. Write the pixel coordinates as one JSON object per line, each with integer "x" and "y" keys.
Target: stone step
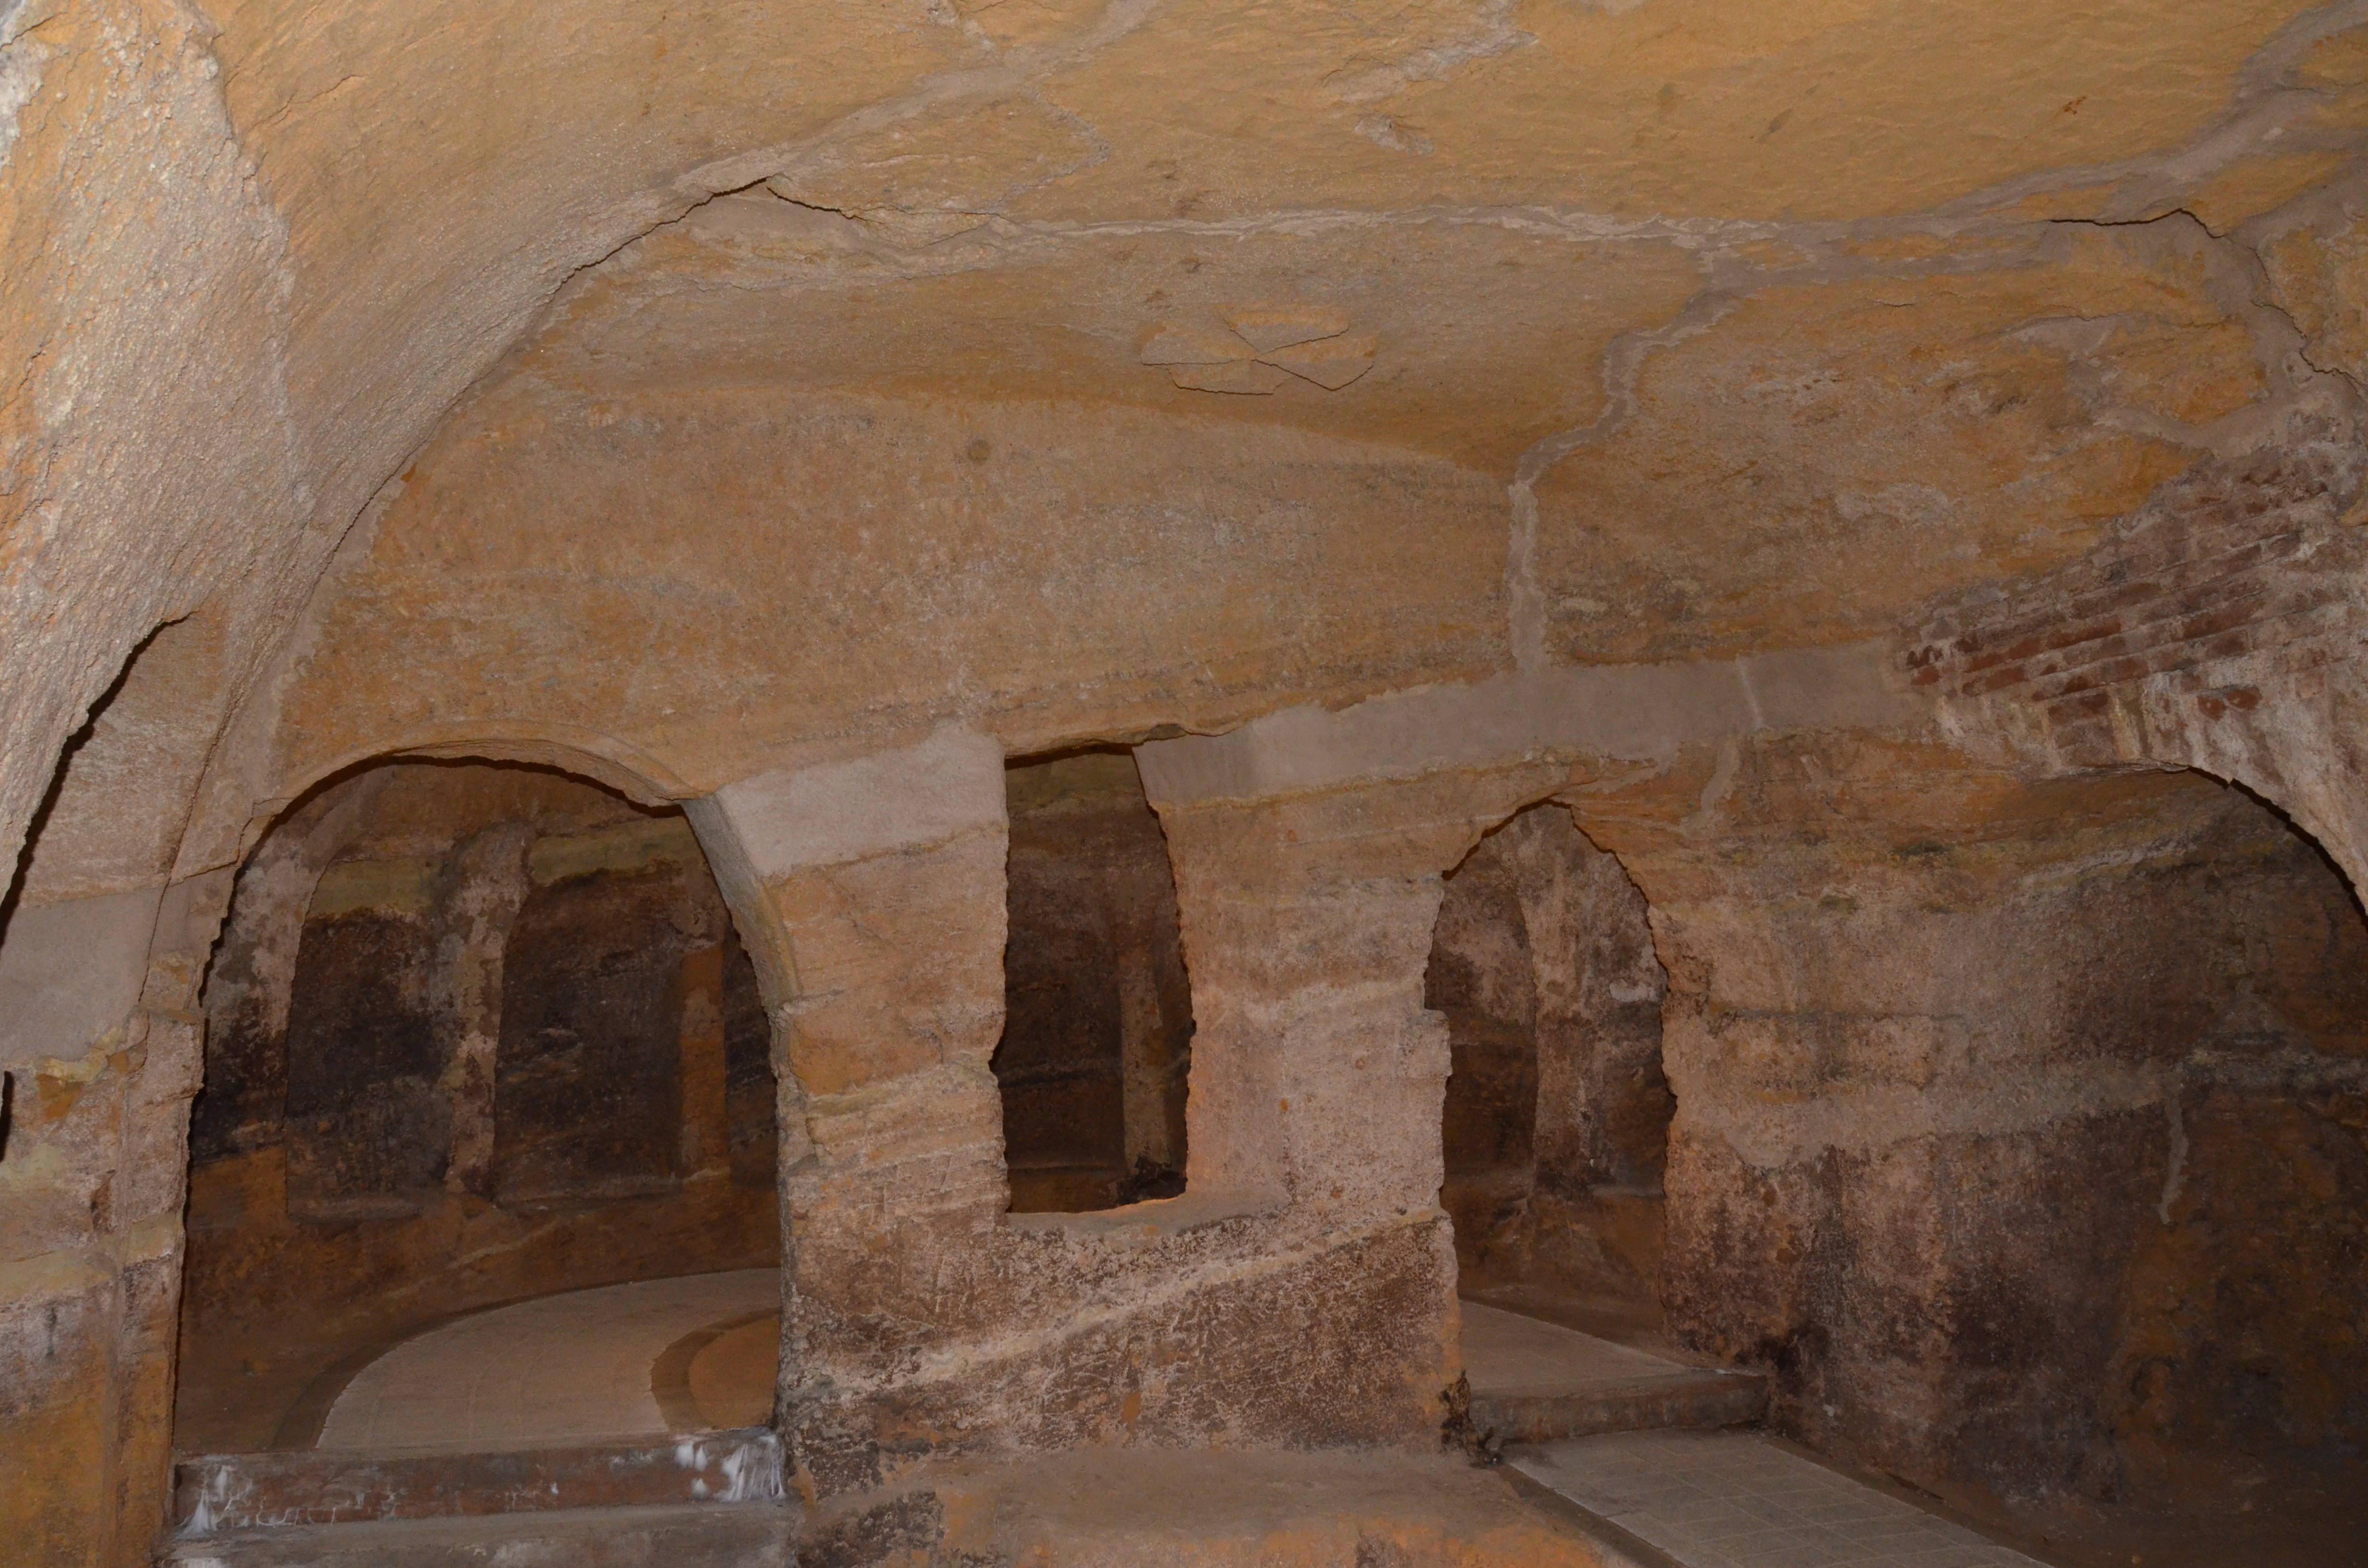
{"x": 1095, "y": 1509}
{"x": 688, "y": 1535}
{"x": 1534, "y": 1382}
{"x": 225, "y": 1493}
{"x": 1705, "y": 1402}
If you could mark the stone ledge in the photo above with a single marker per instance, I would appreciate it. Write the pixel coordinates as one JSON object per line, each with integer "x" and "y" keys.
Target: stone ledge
{"x": 1155, "y": 1217}
{"x": 683, "y": 1535}
{"x": 1636, "y": 711}
{"x": 220, "y": 1494}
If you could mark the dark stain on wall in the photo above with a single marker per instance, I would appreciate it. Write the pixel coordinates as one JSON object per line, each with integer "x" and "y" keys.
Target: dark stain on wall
{"x": 243, "y": 1101}
{"x": 588, "y": 1097}
{"x": 751, "y": 1092}
{"x": 367, "y": 1127}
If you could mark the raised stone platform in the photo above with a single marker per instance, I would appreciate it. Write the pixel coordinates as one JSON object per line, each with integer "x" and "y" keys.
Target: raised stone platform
{"x": 1534, "y": 1382}
{"x": 577, "y": 1366}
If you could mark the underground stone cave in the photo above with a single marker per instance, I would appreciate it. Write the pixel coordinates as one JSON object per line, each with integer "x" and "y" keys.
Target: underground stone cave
{"x": 1105, "y": 781}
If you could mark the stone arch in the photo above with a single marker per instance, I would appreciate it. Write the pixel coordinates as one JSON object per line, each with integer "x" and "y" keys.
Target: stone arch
{"x": 2317, "y": 810}
{"x": 1556, "y": 1119}
{"x": 284, "y": 868}
{"x": 630, "y": 770}
{"x": 2134, "y": 654}
{"x": 627, "y": 769}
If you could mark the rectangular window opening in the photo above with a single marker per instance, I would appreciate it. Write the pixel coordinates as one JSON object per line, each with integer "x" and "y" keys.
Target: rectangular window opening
{"x": 1098, "y": 1009}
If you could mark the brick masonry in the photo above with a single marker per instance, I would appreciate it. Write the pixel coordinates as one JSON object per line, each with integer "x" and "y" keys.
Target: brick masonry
{"x": 2235, "y": 570}
{"x": 2220, "y": 627}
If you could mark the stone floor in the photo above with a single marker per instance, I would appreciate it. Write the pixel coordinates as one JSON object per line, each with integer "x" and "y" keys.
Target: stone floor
{"x": 567, "y": 1367}
{"x": 1534, "y": 1382}
{"x": 1737, "y": 1500}
{"x": 1102, "y": 1508}
{"x": 1511, "y": 1352}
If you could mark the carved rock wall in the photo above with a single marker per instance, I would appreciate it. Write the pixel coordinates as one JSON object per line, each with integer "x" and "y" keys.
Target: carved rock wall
{"x": 1286, "y": 1297}
{"x": 1934, "y": 1062}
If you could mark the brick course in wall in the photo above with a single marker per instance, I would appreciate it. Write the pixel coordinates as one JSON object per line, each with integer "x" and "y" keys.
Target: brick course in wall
{"x": 2235, "y": 572}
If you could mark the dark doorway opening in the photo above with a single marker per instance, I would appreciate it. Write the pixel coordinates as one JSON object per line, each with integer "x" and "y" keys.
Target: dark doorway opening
{"x": 1557, "y": 1114}
{"x": 1097, "y": 1010}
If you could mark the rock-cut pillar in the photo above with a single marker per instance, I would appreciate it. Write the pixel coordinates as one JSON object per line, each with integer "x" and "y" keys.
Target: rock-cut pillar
{"x": 877, "y": 887}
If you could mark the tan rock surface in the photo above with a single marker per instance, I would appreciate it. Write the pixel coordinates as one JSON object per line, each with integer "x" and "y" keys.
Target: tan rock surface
{"x": 698, "y": 395}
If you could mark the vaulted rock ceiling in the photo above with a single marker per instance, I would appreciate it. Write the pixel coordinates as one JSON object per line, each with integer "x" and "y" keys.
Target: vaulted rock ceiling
{"x": 1175, "y": 352}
